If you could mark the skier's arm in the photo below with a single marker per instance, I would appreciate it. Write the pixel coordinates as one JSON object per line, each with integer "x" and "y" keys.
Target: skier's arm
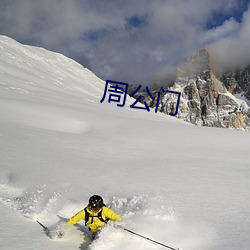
{"x": 77, "y": 217}
{"x": 110, "y": 214}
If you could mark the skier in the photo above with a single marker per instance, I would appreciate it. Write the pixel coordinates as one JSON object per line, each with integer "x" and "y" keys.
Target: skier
{"x": 95, "y": 214}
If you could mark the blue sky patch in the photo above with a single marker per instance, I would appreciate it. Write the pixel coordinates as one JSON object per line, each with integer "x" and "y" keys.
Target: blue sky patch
{"x": 219, "y": 17}
{"x": 136, "y": 21}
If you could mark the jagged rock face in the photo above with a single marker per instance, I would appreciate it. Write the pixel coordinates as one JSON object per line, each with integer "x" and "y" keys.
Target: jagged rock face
{"x": 237, "y": 81}
{"x": 205, "y": 99}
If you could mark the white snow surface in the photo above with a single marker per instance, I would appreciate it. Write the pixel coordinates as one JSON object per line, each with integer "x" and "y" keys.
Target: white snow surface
{"x": 182, "y": 185}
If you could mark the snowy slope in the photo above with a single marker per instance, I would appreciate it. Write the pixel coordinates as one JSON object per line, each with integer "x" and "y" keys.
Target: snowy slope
{"x": 176, "y": 183}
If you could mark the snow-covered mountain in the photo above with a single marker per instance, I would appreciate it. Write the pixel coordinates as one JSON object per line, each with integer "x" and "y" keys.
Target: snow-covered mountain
{"x": 205, "y": 99}
{"x": 209, "y": 97}
{"x": 237, "y": 81}
{"x": 182, "y": 185}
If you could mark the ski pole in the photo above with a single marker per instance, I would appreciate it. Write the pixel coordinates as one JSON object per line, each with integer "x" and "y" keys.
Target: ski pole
{"x": 146, "y": 238}
{"x": 45, "y": 228}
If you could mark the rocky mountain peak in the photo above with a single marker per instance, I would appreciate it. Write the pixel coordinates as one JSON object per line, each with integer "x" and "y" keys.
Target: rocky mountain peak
{"x": 207, "y": 97}
{"x": 237, "y": 81}
{"x": 197, "y": 64}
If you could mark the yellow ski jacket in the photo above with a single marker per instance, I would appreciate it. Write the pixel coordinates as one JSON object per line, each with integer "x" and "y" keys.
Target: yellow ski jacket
{"x": 94, "y": 223}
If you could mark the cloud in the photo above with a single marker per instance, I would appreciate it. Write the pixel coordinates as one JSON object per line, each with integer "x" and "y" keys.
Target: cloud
{"x": 132, "y": 41}
{"x": 232, "y": 50}
{"x": 228, "y": 28}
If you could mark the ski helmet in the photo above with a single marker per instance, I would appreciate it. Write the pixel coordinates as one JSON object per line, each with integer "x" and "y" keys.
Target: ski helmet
{"x": 95, "y": 202}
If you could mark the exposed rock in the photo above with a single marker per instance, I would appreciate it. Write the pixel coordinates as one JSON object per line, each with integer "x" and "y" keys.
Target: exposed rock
{"x": 207, "y": 99}
{"x": 237, "y": 81}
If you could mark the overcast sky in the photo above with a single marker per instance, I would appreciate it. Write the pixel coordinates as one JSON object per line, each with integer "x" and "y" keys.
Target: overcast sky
{"x": 135, "y": 41}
